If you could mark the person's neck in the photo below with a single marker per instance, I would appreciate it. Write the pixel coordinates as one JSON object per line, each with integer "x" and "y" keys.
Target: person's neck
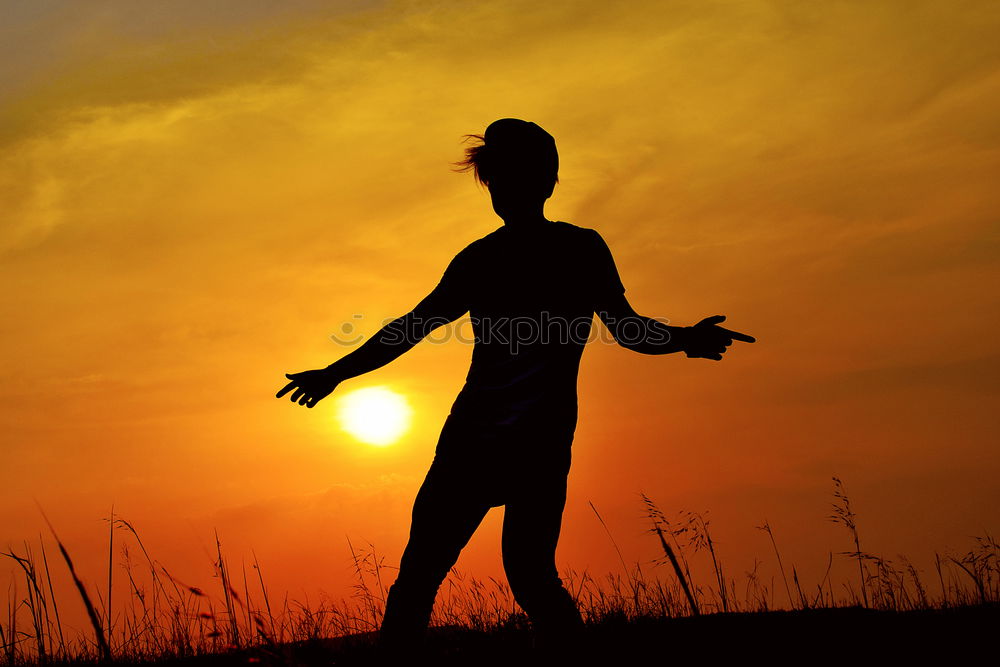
{"x": 526, "y": 221}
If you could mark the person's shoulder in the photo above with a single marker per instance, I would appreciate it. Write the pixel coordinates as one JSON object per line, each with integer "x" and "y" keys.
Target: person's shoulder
{"x": 476, "y": 248}
{"x": 482, "y": 244}
{"x": 569, "y": 227}
{"x": 494, "y": 236}
{"x": 584, "y": 235}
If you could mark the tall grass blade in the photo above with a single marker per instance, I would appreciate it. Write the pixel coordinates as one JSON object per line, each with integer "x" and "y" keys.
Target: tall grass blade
{"x": 95, "y": 621}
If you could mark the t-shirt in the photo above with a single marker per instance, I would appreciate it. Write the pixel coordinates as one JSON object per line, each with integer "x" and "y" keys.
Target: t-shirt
{"x": 531, "y": 294}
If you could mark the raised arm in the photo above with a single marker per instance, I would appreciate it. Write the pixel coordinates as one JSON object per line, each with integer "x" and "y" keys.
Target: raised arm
{"x": 398, "y": 336}
{"x": 646, "y": 335}
{"x": 446, "y": 303}
{"x": 637, "y": 332}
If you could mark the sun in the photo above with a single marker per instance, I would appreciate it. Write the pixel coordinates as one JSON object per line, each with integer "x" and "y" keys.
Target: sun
{"x": 374, "y": 415}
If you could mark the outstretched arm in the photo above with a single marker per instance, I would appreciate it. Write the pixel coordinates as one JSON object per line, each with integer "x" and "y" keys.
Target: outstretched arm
{"x": 438, "y": 308}
{"x": 645, "y": 335}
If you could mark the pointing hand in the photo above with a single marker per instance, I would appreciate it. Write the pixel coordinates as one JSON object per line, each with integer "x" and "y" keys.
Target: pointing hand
{"x": 707, "y": 340}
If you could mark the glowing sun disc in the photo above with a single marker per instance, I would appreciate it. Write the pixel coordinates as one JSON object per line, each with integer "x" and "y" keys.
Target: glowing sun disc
{"x": 375, "y": 415}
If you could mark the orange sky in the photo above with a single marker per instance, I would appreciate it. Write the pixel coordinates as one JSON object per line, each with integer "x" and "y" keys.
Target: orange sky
{"x": 194, "y": 196}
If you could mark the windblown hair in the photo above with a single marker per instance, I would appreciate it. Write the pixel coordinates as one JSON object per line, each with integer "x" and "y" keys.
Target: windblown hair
{"x": 511, "y": 145}
{"x": 475, "y": 156}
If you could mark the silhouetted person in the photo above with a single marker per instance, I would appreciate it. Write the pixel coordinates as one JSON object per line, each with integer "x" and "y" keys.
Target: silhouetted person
{"x": 531, "y": 288}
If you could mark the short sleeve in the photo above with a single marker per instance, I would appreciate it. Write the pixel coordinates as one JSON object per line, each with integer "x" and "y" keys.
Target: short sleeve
{"x": 606, "y": 281}
{"x": 453, "y": 288}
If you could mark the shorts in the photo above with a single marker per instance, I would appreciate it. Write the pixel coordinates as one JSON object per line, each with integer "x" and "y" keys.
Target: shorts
{"x": 495, "y": 462}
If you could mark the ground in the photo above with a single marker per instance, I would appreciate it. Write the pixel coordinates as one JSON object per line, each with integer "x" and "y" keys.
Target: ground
{"x": 848, "y": 635}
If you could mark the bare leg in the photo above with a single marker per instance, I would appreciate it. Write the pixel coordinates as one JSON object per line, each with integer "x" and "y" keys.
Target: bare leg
{"x": 530, "y": 531}
{"x": 446, "y": 513}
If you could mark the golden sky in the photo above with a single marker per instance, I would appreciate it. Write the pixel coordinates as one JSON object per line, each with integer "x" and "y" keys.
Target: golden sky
{"x": 194, "y": 196}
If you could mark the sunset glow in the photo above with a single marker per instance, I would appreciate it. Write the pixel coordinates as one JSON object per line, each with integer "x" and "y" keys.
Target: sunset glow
{"x": 374, "y": 415}
{"x": 197, "y": 198}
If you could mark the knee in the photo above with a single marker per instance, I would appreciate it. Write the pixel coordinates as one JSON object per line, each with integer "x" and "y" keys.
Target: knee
{"x": 420, "y": 575}
{"x": 530, "y": 572}
{"x": 428, "y": 559}
{"x": 530, "y": 585}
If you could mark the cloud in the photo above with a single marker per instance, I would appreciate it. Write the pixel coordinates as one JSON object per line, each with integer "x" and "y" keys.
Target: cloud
{"x": 961, "y": 376}
{"x": 194, "y": 197}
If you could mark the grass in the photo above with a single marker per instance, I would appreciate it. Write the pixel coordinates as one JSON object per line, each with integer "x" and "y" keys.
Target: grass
{"x": 165, "y": 619}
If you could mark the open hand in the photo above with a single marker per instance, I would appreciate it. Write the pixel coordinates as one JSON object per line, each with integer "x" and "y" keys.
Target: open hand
{"x": 310, "y": 386}
{"x": 707, "y": 340}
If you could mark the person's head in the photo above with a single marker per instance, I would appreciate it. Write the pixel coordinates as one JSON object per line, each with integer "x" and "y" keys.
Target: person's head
{"x": 517, "y": 161}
